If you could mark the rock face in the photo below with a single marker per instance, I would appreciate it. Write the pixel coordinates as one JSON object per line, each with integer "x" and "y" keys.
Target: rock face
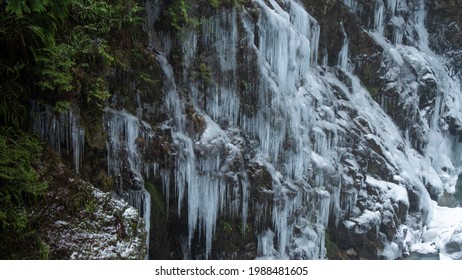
{"x": 287, "y": 129}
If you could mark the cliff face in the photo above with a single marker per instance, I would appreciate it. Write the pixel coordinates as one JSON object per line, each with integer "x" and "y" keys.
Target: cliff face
{"x": 286, "y": 129}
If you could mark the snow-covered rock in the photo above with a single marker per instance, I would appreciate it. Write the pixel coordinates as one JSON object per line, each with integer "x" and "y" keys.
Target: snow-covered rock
{"x": 101, "y": 227}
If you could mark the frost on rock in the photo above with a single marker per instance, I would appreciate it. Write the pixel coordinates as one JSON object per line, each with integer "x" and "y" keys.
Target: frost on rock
{"x": 105, "y": 229}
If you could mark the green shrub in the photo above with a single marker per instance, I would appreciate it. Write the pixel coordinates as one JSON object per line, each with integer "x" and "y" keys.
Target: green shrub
{"x": 20, "y": 189}
{"x": 61, "y": 50}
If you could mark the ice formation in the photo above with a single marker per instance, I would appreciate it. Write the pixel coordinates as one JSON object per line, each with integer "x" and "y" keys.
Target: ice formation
{"x": 252, "y": 111}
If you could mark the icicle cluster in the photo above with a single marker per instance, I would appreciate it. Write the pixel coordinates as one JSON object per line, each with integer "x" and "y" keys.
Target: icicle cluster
{"x": 126, "y": 133}
{"x": 60, "y": 130}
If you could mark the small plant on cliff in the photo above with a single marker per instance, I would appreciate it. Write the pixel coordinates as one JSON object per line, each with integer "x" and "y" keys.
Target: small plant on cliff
{"x": 178, "y": 15}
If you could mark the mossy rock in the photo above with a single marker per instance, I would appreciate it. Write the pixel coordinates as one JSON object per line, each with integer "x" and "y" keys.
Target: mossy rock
{"x": 233, "y": 240}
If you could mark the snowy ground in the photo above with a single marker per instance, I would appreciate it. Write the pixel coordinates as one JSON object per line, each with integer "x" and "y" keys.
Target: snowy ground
{"x": 106, "y": 228}
{"x": 443, "y": 235}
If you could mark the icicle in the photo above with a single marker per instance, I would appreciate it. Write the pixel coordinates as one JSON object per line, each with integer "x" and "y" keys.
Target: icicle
{"x": 185, "y": 172}
{"x": 280, "y": 216}
{"x": 325, "y": 58}
{"x": 398, "y": 32}
{"x": 245, "y": 201}
{"x": 172, "y": 100}
{"x": 343, "y": 55}
{"x": 123, "y": 131}
{"x": 421, "y": 29}
{"x": 314, "y": 40}
{"x": 324, "y": 206}
{"x": 392, "y": 5}
{"x": 165, "y": 175}
{"x": 353, "y": 5}
{"x": 320, "y": 139}
{"x": 348, "y": 201}
{"x": 222, "y": 99}
{"x": 265, "y": 246}
{"x": 147, "y": 219}
{"x": 308, "y": 27}
{"x": 77, "y": 140}
{"x": 379, "y": 17}
{"x": 60, "y": 130}
{"x": 141, "y": 200}
{"x": 334, "y": 207}
{"x": 286, "y": 52}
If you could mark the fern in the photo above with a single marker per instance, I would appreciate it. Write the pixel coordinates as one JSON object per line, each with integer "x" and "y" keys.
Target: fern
{"x": 38, "y": 5}
{"x": 215, "y": 3}
{"x": 17, "y": 7}
{"x": 60, "y": 51}
{"x": 20, "y": 188}
{"x": 56, "y": 68}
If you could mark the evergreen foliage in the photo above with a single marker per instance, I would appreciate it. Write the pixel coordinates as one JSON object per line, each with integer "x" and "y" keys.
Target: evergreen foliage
{"x": 20, "y": 188}
{"x": 57, "y": 51}
{"x": 180, "y": 13}
{"x": 61, "y": 51}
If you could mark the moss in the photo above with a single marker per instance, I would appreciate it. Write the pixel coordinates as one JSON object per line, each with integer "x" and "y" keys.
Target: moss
{"x": 106, "y": 182}
{"x": 196, "y": 121}
{"x": 226, "y": 228}
{"x": 159, "y": 224}
{"x": 205, "y": 73}
{"x": 374, "y": 92}
{"x": 215, "y": 3}
{"x": 44, "y": 250}
{"x": 228, "y": 3}
{"x": 178, "y": 15}
{"x": 95, "y": 136}
{"x": 232, "y": 238}
{"x": 79, "y": 197}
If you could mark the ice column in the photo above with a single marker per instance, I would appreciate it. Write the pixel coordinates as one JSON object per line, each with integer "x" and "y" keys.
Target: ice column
{"x": 379, "y": 17}
{"x": 124, "y": 163}
{"x": 221, "y": 34}
{"x": 343, "y": 55}
{"x": 353, "y": 5}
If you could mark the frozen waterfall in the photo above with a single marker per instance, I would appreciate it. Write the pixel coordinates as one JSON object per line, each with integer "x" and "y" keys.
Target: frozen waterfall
{"x": 256, "y": 141}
